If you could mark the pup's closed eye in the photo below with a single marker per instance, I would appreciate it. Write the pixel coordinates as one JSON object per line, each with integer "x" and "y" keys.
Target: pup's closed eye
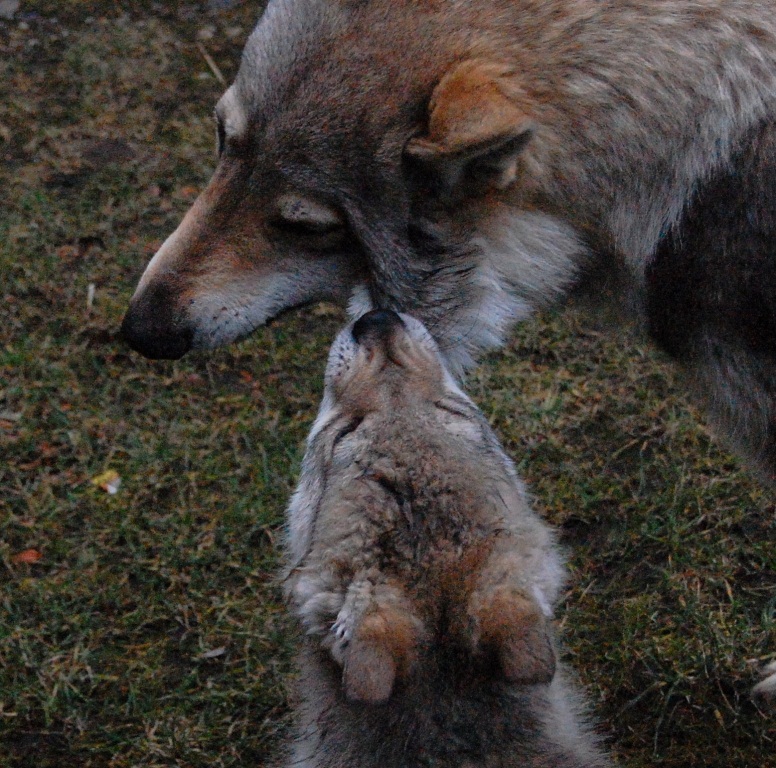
{"x": 456, "y": 407}
{"x": 348, "y": 429}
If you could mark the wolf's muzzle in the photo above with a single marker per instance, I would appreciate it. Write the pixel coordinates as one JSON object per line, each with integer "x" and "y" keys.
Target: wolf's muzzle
{"x": 153, "y": 328}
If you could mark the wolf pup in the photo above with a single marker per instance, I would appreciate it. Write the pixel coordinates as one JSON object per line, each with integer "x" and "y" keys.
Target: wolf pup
{"x": 423, "y": 579}
{"x": 512, "y": 152}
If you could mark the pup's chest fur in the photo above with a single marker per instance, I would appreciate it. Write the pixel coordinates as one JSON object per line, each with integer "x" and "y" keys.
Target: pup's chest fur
{"x": 414, "y": 509}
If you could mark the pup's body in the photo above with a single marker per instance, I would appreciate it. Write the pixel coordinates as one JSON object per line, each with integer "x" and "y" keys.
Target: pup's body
{"x": 423, "y": 579}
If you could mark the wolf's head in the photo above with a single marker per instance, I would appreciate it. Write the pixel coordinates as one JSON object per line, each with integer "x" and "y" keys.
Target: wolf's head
{"x": 369, "y": 152}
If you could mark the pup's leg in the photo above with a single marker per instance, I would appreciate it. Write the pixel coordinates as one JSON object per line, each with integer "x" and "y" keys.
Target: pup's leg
{"x": 509, "y": 606}
{"x": 375, "y": 638}
{"x": 509, "y": 626}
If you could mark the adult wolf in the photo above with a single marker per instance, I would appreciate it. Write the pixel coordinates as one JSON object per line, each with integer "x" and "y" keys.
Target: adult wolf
{"x": 424, "y": 581}
{"x": 469, "y": 161}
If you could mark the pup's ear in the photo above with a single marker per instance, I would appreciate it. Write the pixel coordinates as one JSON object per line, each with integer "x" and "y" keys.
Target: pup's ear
{"x": 477, "y": 126}
{"x": 512, "y": 628}
{"x": 384, "y": 647}
{"x": 369, "y": 673}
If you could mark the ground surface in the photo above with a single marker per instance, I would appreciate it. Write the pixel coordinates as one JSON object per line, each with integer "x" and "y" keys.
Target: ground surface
{"x": 144, "y": 628}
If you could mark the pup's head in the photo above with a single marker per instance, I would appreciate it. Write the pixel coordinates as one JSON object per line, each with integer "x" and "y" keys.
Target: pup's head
{"x": 387, "y": 368}
{"x": 386, "y": 360}
{"x": 387, "y": 383}
{"x": 349, "y": 172}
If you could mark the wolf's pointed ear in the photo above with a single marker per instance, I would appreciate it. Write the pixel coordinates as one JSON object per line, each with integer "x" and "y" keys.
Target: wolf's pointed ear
{"x": 477, "y": 126}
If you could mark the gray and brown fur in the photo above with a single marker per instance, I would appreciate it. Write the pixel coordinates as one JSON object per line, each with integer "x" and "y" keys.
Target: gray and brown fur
{"x": 471, "y": 161}
{"x": 422, "y": 578}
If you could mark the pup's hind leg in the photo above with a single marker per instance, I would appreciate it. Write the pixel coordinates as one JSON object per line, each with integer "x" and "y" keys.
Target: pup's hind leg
{"x": 375, "y": 638}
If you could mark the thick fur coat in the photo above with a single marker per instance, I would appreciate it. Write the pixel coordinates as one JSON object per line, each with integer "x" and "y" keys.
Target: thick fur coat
{"x": 472, "y": 160}
{"x": 422, "y": 578}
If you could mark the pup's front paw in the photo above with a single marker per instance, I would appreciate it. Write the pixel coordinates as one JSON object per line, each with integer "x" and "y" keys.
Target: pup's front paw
{"x": 341, "y": 633}
{"x": 767, "y": 686}
{"x": 356, "y": 602}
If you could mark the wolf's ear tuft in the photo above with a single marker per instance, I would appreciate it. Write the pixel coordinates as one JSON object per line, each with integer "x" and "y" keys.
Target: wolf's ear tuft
{"x": 477, "y": 127}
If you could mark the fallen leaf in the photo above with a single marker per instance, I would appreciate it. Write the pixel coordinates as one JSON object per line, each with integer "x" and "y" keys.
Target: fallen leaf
{"x": 187, "y": 192}
{"x": 28, "y": 556}
{"x": 67, "y": 252}
{"x": 109, "y": 481}
{"x": 215, "y": 653}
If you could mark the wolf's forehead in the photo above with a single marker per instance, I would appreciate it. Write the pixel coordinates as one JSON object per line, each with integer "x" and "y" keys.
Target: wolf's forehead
{"x": 330, "y": 67}
{"x": 288, "y": 33}
{"x": 292, "y": 51}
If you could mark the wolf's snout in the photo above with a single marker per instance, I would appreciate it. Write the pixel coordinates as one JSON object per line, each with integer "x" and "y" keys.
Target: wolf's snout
{"x": 154, "y": 328}
{"x": 377, "y": 325}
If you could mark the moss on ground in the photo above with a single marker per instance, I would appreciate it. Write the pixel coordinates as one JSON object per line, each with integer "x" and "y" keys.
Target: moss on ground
{"x": 146, "y": 628}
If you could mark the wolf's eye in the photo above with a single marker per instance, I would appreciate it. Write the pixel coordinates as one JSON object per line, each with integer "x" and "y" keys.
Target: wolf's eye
{"x": 220, "y": 135}
{"x": 308, "y": 227}
{"x": 303, "y": 216}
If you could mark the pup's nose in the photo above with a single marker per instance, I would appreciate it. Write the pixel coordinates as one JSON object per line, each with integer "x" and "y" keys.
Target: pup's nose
{"x": 377, "y": 325}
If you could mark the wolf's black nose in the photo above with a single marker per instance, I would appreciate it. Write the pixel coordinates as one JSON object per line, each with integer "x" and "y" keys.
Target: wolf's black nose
{"x": 375, "y": 325}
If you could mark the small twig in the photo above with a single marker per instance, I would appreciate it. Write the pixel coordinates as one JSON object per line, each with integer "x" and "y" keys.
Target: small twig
{"x": 636, "y": 699}
{"x": 213, "y": 66}
{"x": 662, "y": 716}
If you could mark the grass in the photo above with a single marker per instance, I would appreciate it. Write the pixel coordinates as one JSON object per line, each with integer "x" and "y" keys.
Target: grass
{"x": 149, "y": 631}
